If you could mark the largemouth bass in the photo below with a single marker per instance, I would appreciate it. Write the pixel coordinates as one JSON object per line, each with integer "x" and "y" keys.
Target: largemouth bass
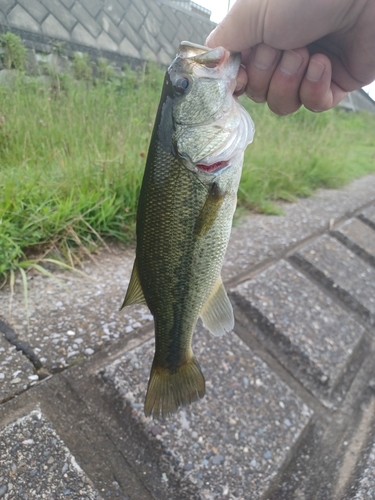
{"x": 184, "y": 217}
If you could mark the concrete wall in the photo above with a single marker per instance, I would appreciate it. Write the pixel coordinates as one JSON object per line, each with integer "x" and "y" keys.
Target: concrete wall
{"x": 115, "y": 29}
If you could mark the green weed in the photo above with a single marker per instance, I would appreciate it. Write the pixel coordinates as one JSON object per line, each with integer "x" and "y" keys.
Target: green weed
{"x": 14, "y": 53}
{"x": 82, "y": 67}
{"x": 293, "y": 156}
{"x": 71, "y": 163}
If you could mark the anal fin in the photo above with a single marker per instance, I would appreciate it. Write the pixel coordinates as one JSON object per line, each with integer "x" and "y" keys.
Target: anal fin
{"x": 217, "y": 312}
{"x": 134, "y": 293}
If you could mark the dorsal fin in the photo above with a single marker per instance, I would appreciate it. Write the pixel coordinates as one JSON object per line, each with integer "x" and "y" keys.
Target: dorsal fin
{"x": 217, "y": 312}
{"x": 134, "y": 293}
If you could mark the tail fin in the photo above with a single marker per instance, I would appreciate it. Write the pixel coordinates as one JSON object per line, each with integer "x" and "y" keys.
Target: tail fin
{"x": 167, "y": 390}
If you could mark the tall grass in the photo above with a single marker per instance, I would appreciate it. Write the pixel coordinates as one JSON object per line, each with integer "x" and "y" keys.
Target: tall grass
{"x": 72, "y": 155}
{"x": 294, "y": 155}
{"x": 71, "y": 161}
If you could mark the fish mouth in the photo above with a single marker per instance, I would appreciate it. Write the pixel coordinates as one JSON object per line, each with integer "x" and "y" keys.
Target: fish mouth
{"x": 190, "y": 49}
{"x": 213, "y": 168}
{"x": 210, "y": 58}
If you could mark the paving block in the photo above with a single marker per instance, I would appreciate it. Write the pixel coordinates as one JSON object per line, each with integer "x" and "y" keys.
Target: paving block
{"x": 167, "y": 47}
{"x": 169, "y": 31}
{"x": 6, "y": 5}
{"x": 150, "y": 41}
{"x": 147, "y": 54}
{"x": 361, "y": 234}
{"x": 155, "y": 8}
{"x": 16, "y": 371}
{"x": 68, "y": 3}
{"x": 53, "y": 28}
{"x": 114, "y": 10}
{"x": 141, "y": 7}
{"x": 344, "y": 274}
{"x": 93, "y": 6}
{"x": 110, "y": 27}
{"x": 313, "y": 337}
{"x": 152, "y": 25}
{"x": 134, "y": 17}
{"x": 86, "y": 19}
{"x": 61, "y": 13}
{"x": 20, "y": 19}
{"x": 164, "y": 58}
{"x": 126, "y": 48}
{"x": 105, "y": 42}
{"x": 369, "y": 214}
{"x": 36, "y": 464}
{"x": 170, "y": 13}
{"x": 130, "y": 34}
{"x": 82, "y": 36}
{"x": 35, "y": 9}
{"x": 185, "y": 27}
{"x": 359, "y": 237}
{"x": 71, "y": 322}
{"x": 234, "y": 441}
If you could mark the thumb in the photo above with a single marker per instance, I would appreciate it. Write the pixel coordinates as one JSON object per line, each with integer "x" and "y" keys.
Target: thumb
{"x": 241, "y": 27}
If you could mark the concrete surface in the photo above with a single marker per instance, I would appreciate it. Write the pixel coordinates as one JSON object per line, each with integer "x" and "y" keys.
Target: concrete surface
{"x": 311, "y": 335}
{"x": 346, "y": 273}
{"x": 32, "y": 455}
{"x": 217, "y": 444}
{"x": 290, "y": 405}
{"x": 73, "y": 317}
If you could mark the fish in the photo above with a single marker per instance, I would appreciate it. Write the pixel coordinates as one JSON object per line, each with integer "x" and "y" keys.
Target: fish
{"x": 184, "y": 217}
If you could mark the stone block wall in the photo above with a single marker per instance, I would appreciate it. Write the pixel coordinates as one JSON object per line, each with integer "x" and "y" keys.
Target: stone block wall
{"x": 129, "y": 30}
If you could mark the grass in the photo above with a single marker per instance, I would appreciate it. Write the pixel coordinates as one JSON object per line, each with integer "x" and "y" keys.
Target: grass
{"x": 72, "y": 155}
{"x": 292, "y": 156}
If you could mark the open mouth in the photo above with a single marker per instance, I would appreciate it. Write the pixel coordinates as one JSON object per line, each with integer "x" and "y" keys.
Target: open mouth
{"x": 214, "y": 167}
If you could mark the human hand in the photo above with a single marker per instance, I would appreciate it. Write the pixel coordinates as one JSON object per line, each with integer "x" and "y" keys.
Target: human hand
{"x": 298, "y": 52}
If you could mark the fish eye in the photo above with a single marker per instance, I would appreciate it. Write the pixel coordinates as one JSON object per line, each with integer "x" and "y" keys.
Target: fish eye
{"x": 181, "y": 85}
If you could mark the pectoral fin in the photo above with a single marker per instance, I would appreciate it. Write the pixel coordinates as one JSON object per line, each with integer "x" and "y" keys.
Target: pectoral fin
{"x": 134, "y": 293}
{"x": 217, "y": 312}
{"x": 209, "y": 210}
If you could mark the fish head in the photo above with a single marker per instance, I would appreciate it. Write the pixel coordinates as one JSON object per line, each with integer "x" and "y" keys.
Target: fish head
{"x": 210, "y": 128}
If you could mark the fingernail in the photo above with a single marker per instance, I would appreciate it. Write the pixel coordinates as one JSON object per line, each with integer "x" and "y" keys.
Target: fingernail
{"x": 315, "y": 71}
{"x": 264, "y": 57}
{"x": 290, "y": 62}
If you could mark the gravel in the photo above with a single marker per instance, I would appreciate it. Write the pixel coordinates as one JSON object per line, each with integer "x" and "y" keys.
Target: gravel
{"x": 35, "y": 463}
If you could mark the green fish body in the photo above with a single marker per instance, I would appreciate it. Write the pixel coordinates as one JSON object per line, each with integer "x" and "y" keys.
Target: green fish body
{"x": 184, "y": 218}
